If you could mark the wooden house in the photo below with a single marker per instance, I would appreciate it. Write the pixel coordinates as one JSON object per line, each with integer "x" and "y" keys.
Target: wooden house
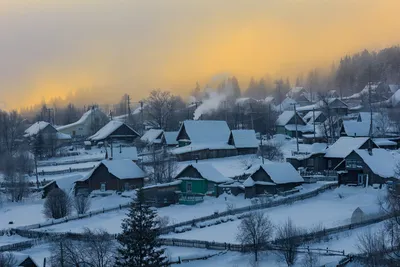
{"x": 116, "y": 175}
{"x": 153, "y": 137}
{"x": 244, "y": 141}
{"x": 203, "y": 139}
{"x": 115, "y": 131}
{"x": 272, "y": 178}
{"x": 287, "y": 123}
{"x": 313, "y": 161}
{"x": 198, "y": 180}
{"x": 335, "y": 106}
{"x": 161, "y": 195}
{"x": 23, "y": 260}
{"x": 336, "y": 154}
{"x": 372, "y": 166}
{"x": 169, "y": 139}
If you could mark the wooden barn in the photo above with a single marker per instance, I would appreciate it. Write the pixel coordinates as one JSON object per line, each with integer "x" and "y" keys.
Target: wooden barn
{"x": 198, "y": 180}
{"x": 116, "y": 131}
{"x": 372, "y": 166}
{"x": 116, "y": 175}
{"x": 272, "y": 178}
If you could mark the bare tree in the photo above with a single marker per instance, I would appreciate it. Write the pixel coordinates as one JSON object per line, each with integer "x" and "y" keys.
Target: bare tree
{"x": 271, "y": 151}
{"x": 81, "y": 204}
{"x": 15, "y": 182}
{"x": 57, "y": 204}
{"x": 310, "y": 260}
{"x": 7, "y": 260}
{"x": 288, "y": 235}
{"x": 164, "y": 167}
{"x": 254, "y": 232}
{"x": 11, "y": 131}
{"x": 372, "y": 247}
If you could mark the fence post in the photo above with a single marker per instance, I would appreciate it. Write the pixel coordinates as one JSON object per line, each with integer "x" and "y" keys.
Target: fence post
{"x": 343, "y": 252}
{"x": 327, "y": 250}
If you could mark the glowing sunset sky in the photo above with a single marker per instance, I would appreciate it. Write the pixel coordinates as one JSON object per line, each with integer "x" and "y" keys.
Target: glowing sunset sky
{"x": 48, "y": 48}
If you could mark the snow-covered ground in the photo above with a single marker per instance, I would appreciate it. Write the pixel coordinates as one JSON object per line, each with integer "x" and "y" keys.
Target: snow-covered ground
{"x": 7, "y": 240}
{"x": 329, "y": 209}
{"x": 94, "y": 154}
{"x": 111, "y": 221}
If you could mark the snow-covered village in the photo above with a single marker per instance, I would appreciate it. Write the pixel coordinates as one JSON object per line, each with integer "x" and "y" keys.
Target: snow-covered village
{"x": 291, "y": 159}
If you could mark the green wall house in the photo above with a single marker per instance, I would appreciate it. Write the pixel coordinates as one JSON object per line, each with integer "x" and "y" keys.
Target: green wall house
{"x": 199, "y": 180}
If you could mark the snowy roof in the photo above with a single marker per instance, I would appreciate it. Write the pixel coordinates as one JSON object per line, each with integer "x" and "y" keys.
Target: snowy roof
{"x": 35, "y": 128}
{"x": 249, "y": 182}
{"x": 364, "y": 91}
{"x": 344, "y": 145}
{"x": 395, "y": 98}
{"x": 287, "y": 104}
{"x": 381, "y": 162}
{"x": 286, "y": 116}
{"x": 151, "y": 135}
{"x": 393, "y": 88}
{"x": 318, "y": 148}
{"x": 62, "y": 136}
{"x": 125, "y": 153}
{"x": 301, "y": 128}
{"x": 67, "y": 183}
{"x": 170, "y": 138}
{"x": 244, "y": 138}
{"x": 201, "y": 146}
{"x": 206, "y": 131}
{"x": 356, "y": 129}
{"x": 108, "y": 129}
{"x": 295, "y": 90}
{"x": 20, "y": 258}
{"x": 320, "y": 104}
{"x": 384, "y": 142}
{"x": 123, "y": 168}
{"x": 282, "y": 172}
{"x": 309, "y": 117}
{"x": 82, "y": 120}
{"x": 269, "y": 99}
{"x": 366, "y": 116}
{"x": 209, "y": 173}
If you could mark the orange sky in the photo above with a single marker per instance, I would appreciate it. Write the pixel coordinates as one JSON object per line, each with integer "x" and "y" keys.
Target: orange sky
{"x": 48, "y": 48}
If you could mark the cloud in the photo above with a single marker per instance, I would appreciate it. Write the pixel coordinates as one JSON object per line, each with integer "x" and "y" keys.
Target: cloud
{"x": 49, "y": 48}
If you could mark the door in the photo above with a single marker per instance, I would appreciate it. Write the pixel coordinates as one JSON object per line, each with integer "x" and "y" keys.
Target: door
{"x": 360, "y": 178}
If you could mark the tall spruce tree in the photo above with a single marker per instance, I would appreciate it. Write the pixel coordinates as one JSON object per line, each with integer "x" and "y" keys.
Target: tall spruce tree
{"x": 138, "y": 240}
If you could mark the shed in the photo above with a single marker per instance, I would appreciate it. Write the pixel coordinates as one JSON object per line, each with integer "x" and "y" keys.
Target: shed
{"x": 244, "y": 141}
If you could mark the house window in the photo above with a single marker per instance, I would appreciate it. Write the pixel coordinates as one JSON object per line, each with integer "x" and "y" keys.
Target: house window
{"x": 103, "y": 187}
{"x": 189, "y": 187}
{"x": 329, "y": 164}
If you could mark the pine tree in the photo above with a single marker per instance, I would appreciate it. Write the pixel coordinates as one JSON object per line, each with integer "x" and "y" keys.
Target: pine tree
{"x": 138, "y": 240}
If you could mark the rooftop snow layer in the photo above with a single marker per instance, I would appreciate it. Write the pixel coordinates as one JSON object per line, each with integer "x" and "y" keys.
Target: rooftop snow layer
{"x": 309, "y": 117}
{"x": 125, "y": 153}
{"x": 210, "y": 173}
{"x": 82, "y": 120}
{"x": 67, "y": 183}
{"x": 35, "y": 128}
{"x": 285, "y": 117}
{"x": 356, "y": 129}
{"x": 207, "y": 131}
{"x": 108, "y": 129}
{"x": 151, "y": 135}
{"x": 123, "y": 168}
{"x": 245, "y": 138}
{"x": 381, "y": 162}
{"x": 344, "y": 145}
{"x": 201, "y": 146}
{"x": 282, "y": 172}
{"x": 170, "y": 138}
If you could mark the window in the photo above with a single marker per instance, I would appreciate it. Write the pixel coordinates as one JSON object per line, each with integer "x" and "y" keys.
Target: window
{"x": 103, "y": 187}
{"x": 329, "y": 164}
{"x": 189, "y": 187}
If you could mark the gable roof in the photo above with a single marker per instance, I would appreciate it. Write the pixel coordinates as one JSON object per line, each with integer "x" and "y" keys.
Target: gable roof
{"x": 344, "y": 146}
{"x": 281, "y": 172}
{"x": 123, "y": 168}
{"x": 66, "y": 183}
{"x": 20, "y": 258}
{"x": 170, "y": 138}
{"x": 309, "y": 117}
{"x": 286, "y": 116}
{"x": 366, "y": 116}
{"x": 35, "y": 128}
{"x": 286, "y": 104}
{"x": 356, "y": 129}
{"x": 208, "y": 172}
{"x": 381, "y": 162}
{"x": 85, "y": 117}
{"x": 125, "y": 153}
{"x": 244, "y": 138}
{"x": 206, "y": 131}
{"x": 152, "y": 136}
{"x": 108, "y": 129}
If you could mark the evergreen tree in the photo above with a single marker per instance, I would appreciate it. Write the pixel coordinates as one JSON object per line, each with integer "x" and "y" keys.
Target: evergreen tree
{"x": 139, "y": 244}
{"x": 235, "y": 87}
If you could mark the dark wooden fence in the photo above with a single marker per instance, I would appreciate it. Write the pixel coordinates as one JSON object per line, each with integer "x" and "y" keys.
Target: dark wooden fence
{"x": 69, "y": 170}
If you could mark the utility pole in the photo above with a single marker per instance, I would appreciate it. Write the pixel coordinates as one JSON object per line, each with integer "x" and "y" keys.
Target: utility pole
{"x": 129, "y": 109}
{"x": 141, "y": 116}
{"x": 295, "y": 122}
{"x": 313, "y": 114}
{"x": 370, "y": 100}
